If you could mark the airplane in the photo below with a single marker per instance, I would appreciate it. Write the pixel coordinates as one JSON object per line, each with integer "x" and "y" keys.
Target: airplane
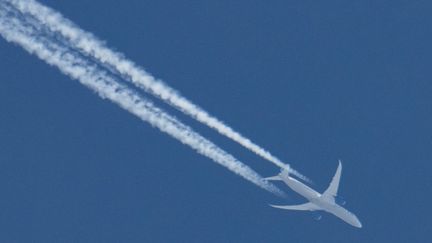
{"x": 317, "y": 201}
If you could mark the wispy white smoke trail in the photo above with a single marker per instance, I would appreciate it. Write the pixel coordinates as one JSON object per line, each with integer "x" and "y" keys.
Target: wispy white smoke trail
{"x": 90, "y": 45}
{"x": 15, "y": 30}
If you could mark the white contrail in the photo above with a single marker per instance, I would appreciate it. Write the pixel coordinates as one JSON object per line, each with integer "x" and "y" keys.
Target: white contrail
{"x": 90, "y": 45}
{"x": 69, "y": 63}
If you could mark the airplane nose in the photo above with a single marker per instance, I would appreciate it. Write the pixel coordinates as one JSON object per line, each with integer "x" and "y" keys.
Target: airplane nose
{"x": 354, "y": 221}
{"x": 357, "y": 223}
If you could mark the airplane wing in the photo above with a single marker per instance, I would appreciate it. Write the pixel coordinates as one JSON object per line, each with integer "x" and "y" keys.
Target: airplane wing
{"x": 334, "y": 185}
{"x": 305, "y": 207}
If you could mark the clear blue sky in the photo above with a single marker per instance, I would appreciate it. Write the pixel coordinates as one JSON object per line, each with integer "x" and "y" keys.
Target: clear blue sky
{"x": 311, "y": 81}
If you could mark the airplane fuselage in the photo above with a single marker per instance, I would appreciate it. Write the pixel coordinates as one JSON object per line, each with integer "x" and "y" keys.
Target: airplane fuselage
{"x": 300, "y": 188}
{"x": 321, "y": 202}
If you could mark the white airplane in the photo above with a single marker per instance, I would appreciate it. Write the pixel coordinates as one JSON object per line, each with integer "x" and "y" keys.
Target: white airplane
{"x": 317, "y": 201}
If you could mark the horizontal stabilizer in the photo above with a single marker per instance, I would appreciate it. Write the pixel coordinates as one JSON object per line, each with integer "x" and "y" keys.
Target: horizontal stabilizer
{"x": 302, "y": 207}
{"x": 273, "y": 178}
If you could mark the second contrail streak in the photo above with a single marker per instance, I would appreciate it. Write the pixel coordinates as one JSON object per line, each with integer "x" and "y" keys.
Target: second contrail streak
{"x": 16, "y": 31}
{"x": 90, "y": 45}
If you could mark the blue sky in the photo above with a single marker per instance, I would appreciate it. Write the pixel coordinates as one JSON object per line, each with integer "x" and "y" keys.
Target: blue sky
{"x": 312, "y": 82}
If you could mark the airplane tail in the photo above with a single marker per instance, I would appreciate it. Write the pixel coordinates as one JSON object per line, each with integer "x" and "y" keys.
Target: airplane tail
{"x": 278, "y": 177}
{"x": 287, "y": 172}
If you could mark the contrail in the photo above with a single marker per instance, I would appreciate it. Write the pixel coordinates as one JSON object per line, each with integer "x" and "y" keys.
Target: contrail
{"x": 91, "y": 46}
{"x": 69, "y": 63}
